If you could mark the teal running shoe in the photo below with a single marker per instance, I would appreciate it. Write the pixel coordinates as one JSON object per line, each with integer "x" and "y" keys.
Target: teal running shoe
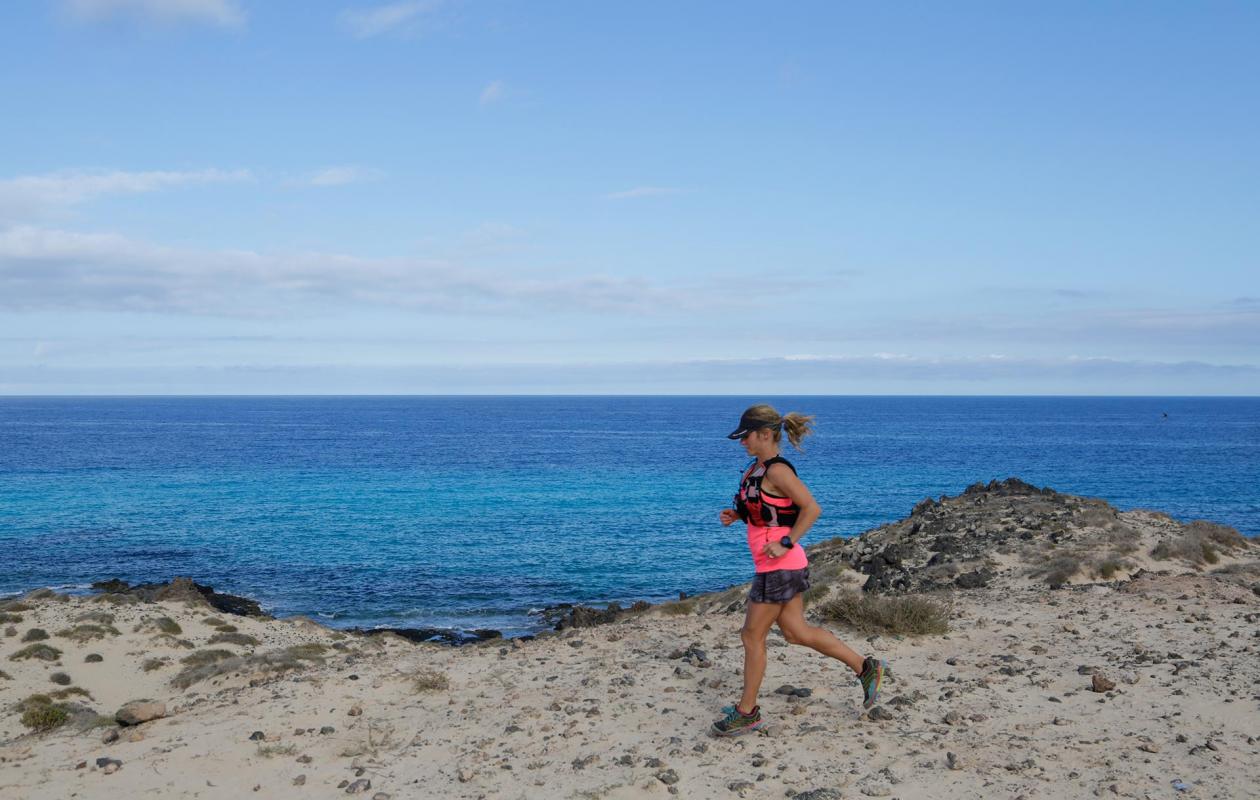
{"x": 736, "y": 722}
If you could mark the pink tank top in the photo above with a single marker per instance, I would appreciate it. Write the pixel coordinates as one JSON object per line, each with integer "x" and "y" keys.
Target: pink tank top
{"x": 762, "y": 510}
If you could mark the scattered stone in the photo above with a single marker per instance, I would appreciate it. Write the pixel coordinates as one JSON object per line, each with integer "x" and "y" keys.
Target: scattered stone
{"x": 110, "y": 736}
{"x": 741, "y": 788}
{"x": 300, "y": 780}
{"x": 327, "y": 729}
{"x": 880, "y": 714}
{"x": 1102, "y": 683}
{"x": 361, "y": 785}
{"x": 136, "y": 712}
{"x": 258, "y": 736}
{"x": 952, "y": 761}
{"x": 93, "y": 658}
{"x": 355, "y": 711}
{"x": 667, "y": 777}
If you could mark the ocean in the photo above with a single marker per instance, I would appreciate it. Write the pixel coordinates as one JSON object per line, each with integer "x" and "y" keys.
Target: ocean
{"x": 472, "y": 512}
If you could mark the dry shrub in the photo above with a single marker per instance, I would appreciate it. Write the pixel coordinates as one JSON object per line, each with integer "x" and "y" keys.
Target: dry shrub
{"x": 62, "y": 694}
{"x": 1107, "y": 569}
{"x": 911, "y": 615}
{"x": 117, "y": 599}
{"x": 1123, "y": 540}
{"x": 679, "y": 608}
{"x": 1222, "y": 535}
{"x": 35, "y": 635}
{"x": 310, "y": 650}
{"x": 102, "y": 617}
{"x": 1095, "y": 517}
{"x": 815, "y": 593}
{"x": 40, "y": 651}
{"x": 292, "y": 658}
{"x": 81, "y": 634}
{"x": 241, "y": 639}
{"x": 213, "y": 622}
{"x": 1058, "y": 569}
{"x": 428, "y": 680}
{"x": 15, "y": 606}
{"x": 7, "y": 618}
{"x": 1200, "y": 543}
{"x": 206, "y": 657}
{"x": 273, "y": 750}
{"x": 161, "y": 625}
{"x": 151, "y": 664}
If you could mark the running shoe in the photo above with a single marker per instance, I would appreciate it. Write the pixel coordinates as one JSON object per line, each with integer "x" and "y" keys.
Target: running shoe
{"x": 736, "y": 722}
{"x": 872, "y": 676}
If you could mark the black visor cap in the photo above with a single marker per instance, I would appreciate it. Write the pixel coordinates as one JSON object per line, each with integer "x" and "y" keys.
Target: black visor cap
{"x": 747, "y": 425}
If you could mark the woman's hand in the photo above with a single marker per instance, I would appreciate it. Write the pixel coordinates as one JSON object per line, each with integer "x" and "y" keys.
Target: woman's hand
{"x": 728, "y": 516}
{"x": 774, "y": 550}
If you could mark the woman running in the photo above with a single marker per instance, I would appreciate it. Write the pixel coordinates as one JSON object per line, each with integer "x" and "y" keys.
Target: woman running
{"x": 779, "y": 510}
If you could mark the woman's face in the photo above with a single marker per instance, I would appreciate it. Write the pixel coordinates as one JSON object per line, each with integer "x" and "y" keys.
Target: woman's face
{"x": 755, "y": 441}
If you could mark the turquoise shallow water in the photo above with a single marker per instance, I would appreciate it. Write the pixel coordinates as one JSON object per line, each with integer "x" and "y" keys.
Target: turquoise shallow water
{"x": 473, "y": 511}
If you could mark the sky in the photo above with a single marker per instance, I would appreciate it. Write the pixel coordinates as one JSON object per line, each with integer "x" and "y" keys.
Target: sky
{"x": 466, "y": 197}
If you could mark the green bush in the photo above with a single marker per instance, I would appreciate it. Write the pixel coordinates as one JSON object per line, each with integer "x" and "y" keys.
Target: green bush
{"x": 88, "y": 632}
{"x": 35, "y": 635}
{"x": 206, "y": 657}
{"x": 40, "y": 651}
{"x": 40, "y": 714}
{"x": 44, "y": 718}
{"x": 241, "y": 639}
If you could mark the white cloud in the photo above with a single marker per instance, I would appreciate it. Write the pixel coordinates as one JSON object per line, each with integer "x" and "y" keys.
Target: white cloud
{"x": 642, "y": 191}
{"x": 31, "y": 195}
{"x": 493, "y": 93}
{"x": 376, "y": 20}
{"x": 43, "y": 269}
{"x": 224, "y": 13}
{"x": 340, "y": 176}
{"x": 840, "y": 375}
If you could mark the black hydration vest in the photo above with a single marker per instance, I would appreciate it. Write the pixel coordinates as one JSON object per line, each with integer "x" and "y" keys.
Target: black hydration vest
{"x": 749, "y": 505}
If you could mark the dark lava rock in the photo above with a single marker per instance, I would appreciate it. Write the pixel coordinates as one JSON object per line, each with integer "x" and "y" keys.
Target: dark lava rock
{"x": 187, "y": 590}
{"x": 973, "y": 580}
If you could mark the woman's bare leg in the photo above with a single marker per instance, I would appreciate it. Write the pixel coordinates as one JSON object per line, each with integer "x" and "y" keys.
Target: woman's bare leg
{"x": 797, "y": 631}
{"x": 757, "y": 623}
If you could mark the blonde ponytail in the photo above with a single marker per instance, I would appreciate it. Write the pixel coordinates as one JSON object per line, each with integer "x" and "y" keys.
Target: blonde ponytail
{"x": 798, "y": 426}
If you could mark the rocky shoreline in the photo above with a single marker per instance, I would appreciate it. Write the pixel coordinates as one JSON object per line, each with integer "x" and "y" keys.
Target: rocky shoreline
{"x": 1070, "y": 650}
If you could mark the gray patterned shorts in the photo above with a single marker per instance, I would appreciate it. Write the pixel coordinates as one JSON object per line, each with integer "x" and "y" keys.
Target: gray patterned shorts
{"x": 778, "y": 586}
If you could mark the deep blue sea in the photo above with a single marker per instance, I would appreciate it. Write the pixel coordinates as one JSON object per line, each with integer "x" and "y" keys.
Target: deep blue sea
{"x": 473, "y": 511}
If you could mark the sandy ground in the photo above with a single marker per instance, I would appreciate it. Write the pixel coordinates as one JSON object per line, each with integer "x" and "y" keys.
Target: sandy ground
{"x": 1091, "y": 652}
{"x": 606, "y": 711}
